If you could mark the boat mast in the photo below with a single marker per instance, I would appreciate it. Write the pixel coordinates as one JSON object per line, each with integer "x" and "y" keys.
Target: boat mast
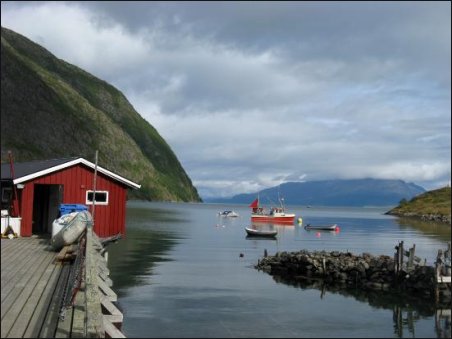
{"x": 94, "y": 188}
{"x": 279, "y": 198}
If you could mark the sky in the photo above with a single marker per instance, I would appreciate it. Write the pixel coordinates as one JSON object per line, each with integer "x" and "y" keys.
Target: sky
{"x": 250, "y": 95}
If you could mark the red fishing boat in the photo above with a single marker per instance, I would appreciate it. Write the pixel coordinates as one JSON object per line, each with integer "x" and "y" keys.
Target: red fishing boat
{"x": 275, "y": 214}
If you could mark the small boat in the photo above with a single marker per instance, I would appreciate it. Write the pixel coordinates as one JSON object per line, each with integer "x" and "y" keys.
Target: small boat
{"x": 228, "y": 214}
{"x": 332, "y": 227}
{"x": 67, "y": 229}
{"x": 261, "y": 233}
{"x": 276, "y": 214}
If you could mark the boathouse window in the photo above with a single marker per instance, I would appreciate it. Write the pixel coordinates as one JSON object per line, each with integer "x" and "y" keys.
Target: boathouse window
{"x": 101, "y": 197}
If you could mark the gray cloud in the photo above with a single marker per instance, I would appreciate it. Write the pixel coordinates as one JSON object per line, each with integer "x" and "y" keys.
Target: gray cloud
{"x": 251, "y": 94}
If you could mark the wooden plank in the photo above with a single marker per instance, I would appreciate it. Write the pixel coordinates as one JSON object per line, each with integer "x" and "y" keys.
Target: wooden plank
{"x": 11, "y": 246}
{"x": 95, "y": 326}
{"x": 12, "y": 273}
{"x": 36, "y": 322}
{"x": 13, "y": 290}
{"x": 79, "y": 320}
{"x": 16, "y": 260}
{"x": 107, "y": 291}
{"x": 109, "y": 307}
{"x": 64, "y": 326}
{"x": 114, "y": 319}
{"x": 4, "y": 244}
{"x": 107, "y": 280}
{"x": 50, "y": 322}
{"x": 111, "y": 329}
{"x": 101, "y": 267}
{"x": 60, "y": 256}
{"x": 21, "y": 294}
{"x": 29, "y": 308}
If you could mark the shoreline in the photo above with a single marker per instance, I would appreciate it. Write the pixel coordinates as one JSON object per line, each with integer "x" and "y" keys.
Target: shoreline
{"x": 440, "y": 218}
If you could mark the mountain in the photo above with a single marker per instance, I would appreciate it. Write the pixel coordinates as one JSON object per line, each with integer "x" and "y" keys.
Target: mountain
{"x": 358, "y": 192}
{"x": 432, "y": 205}
{"x": 52, "y": 109}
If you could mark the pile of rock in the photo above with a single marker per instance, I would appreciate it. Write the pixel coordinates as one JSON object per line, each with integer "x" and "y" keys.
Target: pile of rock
{"x": 349, "y": 270}
{"x": 436, "y": 217}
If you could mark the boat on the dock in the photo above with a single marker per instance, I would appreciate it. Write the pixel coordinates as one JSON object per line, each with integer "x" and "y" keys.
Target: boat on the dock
{"x": 261, "y": 233}
{"x": 333, "y": 227}
{"x": 275, "y": 214}
{"x": 68, "y": 228}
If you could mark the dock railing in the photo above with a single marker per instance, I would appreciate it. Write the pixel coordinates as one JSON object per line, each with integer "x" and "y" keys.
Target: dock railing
{"x": 89, "y": 310}
{"x": 103, "y": 317}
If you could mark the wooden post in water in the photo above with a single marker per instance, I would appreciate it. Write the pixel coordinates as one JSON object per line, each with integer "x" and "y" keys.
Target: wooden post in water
{"x": 396, "y": 261}
{"x": 401, "y": 255}
{"x": 438, "y": 267}
{"x": 398, "y": 258}
{"x": 411, "y": 257}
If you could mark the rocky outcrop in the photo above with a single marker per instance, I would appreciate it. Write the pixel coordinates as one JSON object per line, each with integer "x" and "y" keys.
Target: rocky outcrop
{"x": 347, "y": 270}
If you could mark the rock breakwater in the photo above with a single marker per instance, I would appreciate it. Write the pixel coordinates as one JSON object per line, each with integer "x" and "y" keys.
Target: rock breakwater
{"x": 347, "y": 270}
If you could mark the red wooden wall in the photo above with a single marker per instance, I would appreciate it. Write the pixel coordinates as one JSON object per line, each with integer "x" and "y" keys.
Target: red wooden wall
{"x": 109, "y": 219}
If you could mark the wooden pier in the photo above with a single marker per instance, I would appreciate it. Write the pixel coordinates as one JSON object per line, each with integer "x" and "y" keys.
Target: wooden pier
{"x": 36, "y": 284}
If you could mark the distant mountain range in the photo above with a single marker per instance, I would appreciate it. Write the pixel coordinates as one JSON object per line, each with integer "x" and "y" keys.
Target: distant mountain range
{"x": 357, "y": 192}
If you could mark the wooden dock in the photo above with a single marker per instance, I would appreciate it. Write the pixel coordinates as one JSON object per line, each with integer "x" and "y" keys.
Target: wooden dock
{"x": 34, "y": 283}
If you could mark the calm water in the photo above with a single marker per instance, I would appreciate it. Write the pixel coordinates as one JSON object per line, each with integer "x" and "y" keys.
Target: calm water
{"x": 179, "y": 273}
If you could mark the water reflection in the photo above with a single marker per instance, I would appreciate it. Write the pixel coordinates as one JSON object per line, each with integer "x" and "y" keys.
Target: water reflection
{"x": 443, "y": 323}
{"x": 179, "y": 273}
{"x": 131, "y": 261}
{"x": 406, "y": 309}
{"x": 440, "y": 230}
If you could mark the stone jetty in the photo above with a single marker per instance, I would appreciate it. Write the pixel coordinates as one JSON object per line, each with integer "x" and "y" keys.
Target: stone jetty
{"x": 364, "y": 272}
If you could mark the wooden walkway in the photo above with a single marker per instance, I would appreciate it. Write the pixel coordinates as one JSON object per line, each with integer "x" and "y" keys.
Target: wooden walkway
{"x": 32, "y": 288}
{"x": 29, "y": 280}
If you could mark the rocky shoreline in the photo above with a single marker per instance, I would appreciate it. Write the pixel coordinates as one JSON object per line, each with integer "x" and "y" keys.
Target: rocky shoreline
{"x": 424, "y": 217}
{"x": 365, "y": 272}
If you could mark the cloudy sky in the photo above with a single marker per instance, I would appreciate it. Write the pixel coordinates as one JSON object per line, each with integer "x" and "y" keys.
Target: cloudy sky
{"x": 253, "y": 94}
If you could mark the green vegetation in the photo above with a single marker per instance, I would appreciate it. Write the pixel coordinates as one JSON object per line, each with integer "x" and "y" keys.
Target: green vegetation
{"x": 433, "y": 205}
{"x": 52, "y": 109}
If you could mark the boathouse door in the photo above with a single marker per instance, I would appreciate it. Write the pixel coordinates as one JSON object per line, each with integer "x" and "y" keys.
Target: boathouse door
{"x": 46, "y": 201}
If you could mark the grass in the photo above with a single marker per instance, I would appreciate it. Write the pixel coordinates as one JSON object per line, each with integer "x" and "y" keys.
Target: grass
{"x": 436, "y": 202}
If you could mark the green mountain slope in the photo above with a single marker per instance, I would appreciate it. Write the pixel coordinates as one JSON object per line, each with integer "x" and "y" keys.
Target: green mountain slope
{"x": 431, "y": 205}
{"x": 52, "y": 109}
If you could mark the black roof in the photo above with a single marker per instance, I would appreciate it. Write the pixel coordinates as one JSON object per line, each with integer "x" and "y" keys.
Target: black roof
{"x": 22, "y": 169}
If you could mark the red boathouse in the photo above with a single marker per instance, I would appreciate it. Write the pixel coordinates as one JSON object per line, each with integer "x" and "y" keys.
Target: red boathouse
{"x": 39, "y": 187}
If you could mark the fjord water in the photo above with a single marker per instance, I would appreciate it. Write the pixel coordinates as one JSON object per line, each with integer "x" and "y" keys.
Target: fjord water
{"x": 183, "y": 271}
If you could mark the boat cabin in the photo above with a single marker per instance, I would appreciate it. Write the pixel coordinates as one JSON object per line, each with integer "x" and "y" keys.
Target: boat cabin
{"x": 32, "y": 194}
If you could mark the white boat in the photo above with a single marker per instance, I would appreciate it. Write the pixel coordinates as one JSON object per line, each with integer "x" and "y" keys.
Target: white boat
{"x": 228, "y": 214}
{"x": 67, "y": 229}
{"x": 261, "y": 233}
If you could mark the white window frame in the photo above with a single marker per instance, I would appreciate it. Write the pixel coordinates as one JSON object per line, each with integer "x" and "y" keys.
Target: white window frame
{"x": 89, "y": 202}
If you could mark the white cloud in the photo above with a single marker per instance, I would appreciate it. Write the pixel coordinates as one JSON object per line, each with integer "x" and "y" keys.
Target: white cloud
{"x": 246, "y": 107}
{"x": 72, "y": 34}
